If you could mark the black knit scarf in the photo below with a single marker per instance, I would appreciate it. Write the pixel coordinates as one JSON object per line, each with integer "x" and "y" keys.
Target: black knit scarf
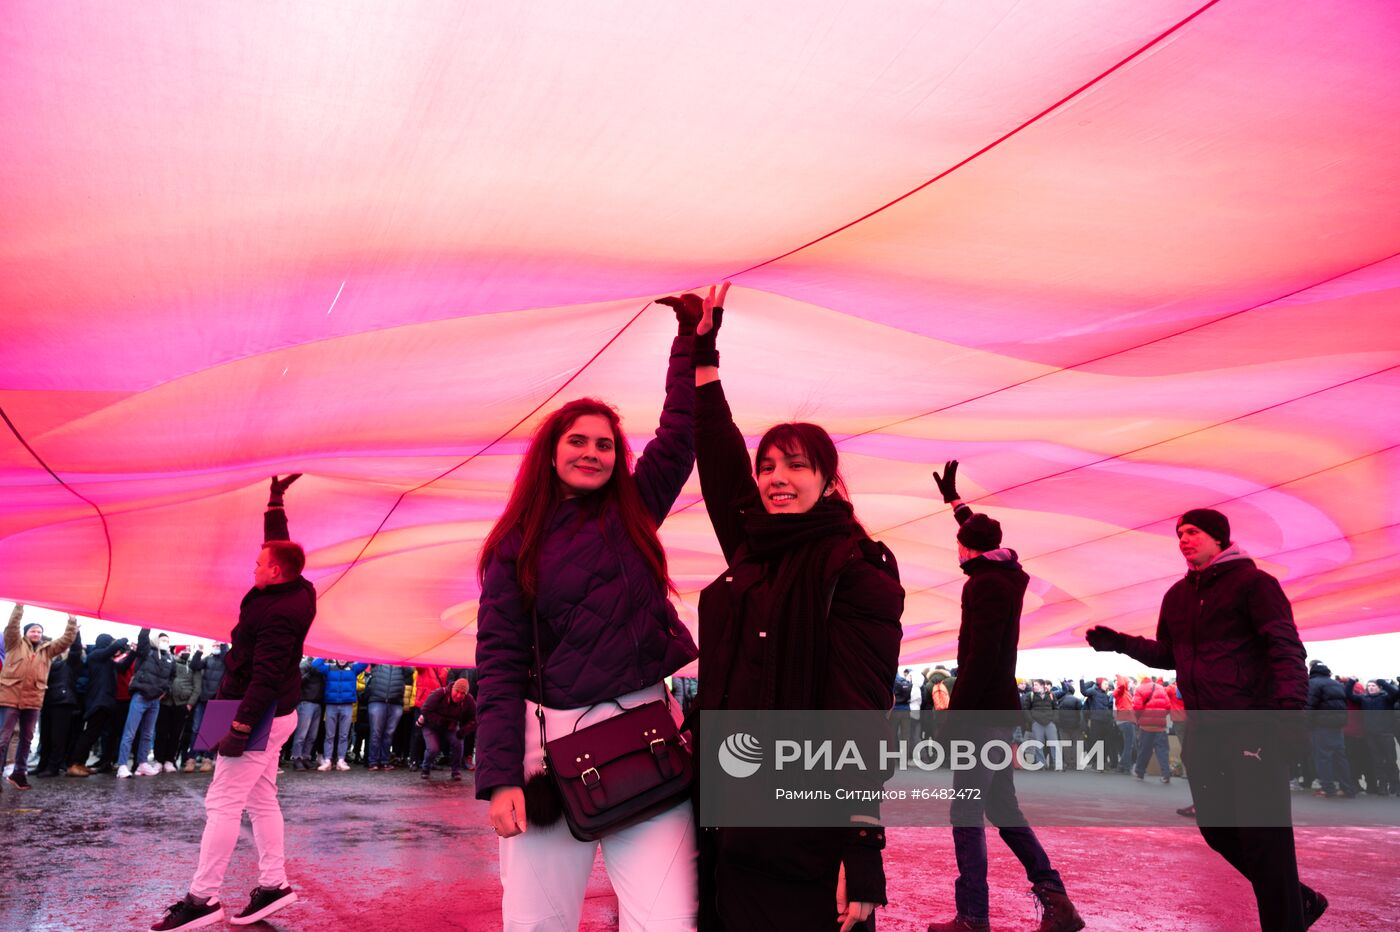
{"x": 800, "y": 553}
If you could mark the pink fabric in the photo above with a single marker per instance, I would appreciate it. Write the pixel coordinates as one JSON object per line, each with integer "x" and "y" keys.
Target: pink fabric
{"x": 1147, "y": 262}
{"x": 246, "y": 782}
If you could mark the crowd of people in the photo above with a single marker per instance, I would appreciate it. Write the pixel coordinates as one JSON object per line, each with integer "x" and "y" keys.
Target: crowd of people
{"x": 1123, "y": 722}
{"x": 135, "y": 711}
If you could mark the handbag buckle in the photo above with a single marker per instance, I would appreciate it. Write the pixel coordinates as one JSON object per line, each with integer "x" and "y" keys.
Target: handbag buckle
{"x": 658, "y": 746}
{"x": 596, "y": 777}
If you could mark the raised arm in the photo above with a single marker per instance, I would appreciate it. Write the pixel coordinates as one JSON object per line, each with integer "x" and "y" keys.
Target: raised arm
{"x": 275, "y": 518}
{"x": 12, "y": 629}
{"x": 726, "y": 479}
{"x": 669, "y": 457}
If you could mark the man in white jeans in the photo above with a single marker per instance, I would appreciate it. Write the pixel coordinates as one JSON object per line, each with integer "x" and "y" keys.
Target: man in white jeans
{"x": 262, "y": 671}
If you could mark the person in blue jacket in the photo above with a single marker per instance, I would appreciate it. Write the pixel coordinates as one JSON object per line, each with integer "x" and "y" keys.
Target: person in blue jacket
{"x": 340, "y": 704}
{"x": 577, "y": 548}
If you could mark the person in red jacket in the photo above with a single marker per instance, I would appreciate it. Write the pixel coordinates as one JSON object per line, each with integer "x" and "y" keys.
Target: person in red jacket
{"x": 1126, "y": 718}
{"x": 1152, "y": 704}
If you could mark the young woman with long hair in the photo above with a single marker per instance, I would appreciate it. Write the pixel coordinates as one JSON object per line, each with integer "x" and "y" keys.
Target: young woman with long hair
{"x": 577, "y": 549}
{"x": 806, "y": 616}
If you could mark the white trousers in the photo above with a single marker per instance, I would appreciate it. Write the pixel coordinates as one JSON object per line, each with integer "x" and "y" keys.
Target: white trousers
{"x": 652, "y": 865}
{"x": 246, "y": 782}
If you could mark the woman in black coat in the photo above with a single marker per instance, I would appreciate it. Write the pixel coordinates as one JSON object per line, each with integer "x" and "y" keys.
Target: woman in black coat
{"x": 807, "y": 616}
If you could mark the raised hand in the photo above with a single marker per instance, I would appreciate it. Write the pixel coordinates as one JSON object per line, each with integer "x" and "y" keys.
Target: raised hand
{"x": 689, "y": 309}
{"x": 947, "y": 483}
{"x": 712, "y": 316}
{"x": 279, "y": 488}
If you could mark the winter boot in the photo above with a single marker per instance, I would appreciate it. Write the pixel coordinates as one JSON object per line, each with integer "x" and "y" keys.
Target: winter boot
{"x": 1060, "y": 914}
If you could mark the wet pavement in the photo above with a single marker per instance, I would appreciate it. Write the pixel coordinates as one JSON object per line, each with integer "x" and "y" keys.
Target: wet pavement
{"x": 387, "y": 852}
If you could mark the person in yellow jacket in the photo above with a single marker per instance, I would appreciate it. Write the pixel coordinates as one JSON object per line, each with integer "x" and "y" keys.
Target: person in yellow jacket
{"x": 23, "y": 681}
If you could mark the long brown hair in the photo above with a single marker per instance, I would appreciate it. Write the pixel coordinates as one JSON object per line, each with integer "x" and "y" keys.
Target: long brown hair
{"x": 538, "y": 491}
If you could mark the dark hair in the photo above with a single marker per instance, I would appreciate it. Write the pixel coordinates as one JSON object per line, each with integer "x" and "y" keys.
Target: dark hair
{"x": 287, "y": 555}
{"x": 810, "y": 439}
{"x": 538, "y": 491}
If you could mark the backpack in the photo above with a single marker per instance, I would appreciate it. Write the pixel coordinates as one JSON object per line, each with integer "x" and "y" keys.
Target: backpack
{"x": 940, "y": 695}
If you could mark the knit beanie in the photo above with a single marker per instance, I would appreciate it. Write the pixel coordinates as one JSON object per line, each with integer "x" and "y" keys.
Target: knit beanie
{"x": 980, "y": 533}
{"x": 1211, "y": 521}
{"x": 32, "y": 624}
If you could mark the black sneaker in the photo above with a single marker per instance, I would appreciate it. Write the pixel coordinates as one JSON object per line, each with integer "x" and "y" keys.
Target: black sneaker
{"x": 425, "y": 775}
{"x": 1314, "y": 905}
{"x": 264, "y": 903}
{"x": 187, "y": 914}
{"x": 19, "y": 781}
{"x": 456, "y": 777}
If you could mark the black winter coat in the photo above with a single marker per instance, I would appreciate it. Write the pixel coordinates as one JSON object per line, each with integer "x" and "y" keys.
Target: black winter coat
{"x": 1071, "y": 712}
{"x": 1327, "y": 701}
{"x": 607, "y": 626}
{"x": 63, "y": 677}
{"x": 155, "y": 669}
{"x": 386, "y": 683}
{"x": 856, "y": 653}
{"x": 439, "y": 711}
{"x": 263, "y": 664}
{"x": 992, "y": 599}
{"x": 102, "y": 672}
{"x": 1228, "y": 632}
{"x": 213, "y": 669}
{"x": 313, "y": 683}
{"x": 1098, "y": 705}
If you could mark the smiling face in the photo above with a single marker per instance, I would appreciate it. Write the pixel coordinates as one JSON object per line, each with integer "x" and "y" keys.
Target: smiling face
{"x": 1198, "y": 547}
{"x": 34, "y": 635}
{"x": 788, "y": 482}
{"x": 585, "y": 455}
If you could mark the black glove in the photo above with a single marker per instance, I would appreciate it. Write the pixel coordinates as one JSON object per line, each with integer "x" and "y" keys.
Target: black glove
{"x": 233, "y": 744}
{"x": 1104, "y": 639}
{"x": 279, "y": 488}
{"x": 865, "y": 866}
{"x": 947, "y": 483}
{"x": 689, "y": 309}
{"x": 705, "y": 352}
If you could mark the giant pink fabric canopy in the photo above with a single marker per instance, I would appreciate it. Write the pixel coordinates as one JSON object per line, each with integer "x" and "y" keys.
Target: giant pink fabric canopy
{"x": 1120, "y": 259}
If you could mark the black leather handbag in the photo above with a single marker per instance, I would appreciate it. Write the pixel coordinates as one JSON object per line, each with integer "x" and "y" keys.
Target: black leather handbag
{"x": 617, "y": 772}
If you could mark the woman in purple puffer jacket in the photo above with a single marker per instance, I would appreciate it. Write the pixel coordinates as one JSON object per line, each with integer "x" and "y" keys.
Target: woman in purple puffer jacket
{"x": 577, "y": 547}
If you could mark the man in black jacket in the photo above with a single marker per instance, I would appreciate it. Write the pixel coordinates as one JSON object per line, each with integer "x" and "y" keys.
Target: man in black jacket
{"x": 101, "y": 697}
{"x": 1227, "y": 629}
{"x": 1327, "y": 716}
{"x": 262, "y": 671}
{"x": 991, "y": 627}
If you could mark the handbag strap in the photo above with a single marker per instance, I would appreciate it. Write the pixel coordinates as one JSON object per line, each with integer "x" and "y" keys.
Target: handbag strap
{"x": 538, "y": 672}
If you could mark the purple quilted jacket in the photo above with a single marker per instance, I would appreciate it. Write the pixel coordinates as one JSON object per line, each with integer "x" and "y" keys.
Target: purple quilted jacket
{"x": 606, "y": 624}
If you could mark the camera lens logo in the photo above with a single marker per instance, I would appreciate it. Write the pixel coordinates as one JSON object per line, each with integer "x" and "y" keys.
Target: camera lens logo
{"x": 740, "y": 755}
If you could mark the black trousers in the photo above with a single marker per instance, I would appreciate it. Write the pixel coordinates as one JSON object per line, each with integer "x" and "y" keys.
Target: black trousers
{"x": 169, "y": 726}
{"x": 1106, "y": 732}
{"x": 792, "y": 891}
{"x": 112, "y": 737}
{"x": 94, "y": 726}
{"x": 1239, "y": 783}
{"x": 55, "y": 728}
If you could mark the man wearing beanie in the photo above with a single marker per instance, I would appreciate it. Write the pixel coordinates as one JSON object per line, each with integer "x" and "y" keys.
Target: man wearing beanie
{"x": 23, "y": 681}
{"x": 991, "y": 627}
{"x": 1227, "y": 629}
{"x": 263, "y": 672}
